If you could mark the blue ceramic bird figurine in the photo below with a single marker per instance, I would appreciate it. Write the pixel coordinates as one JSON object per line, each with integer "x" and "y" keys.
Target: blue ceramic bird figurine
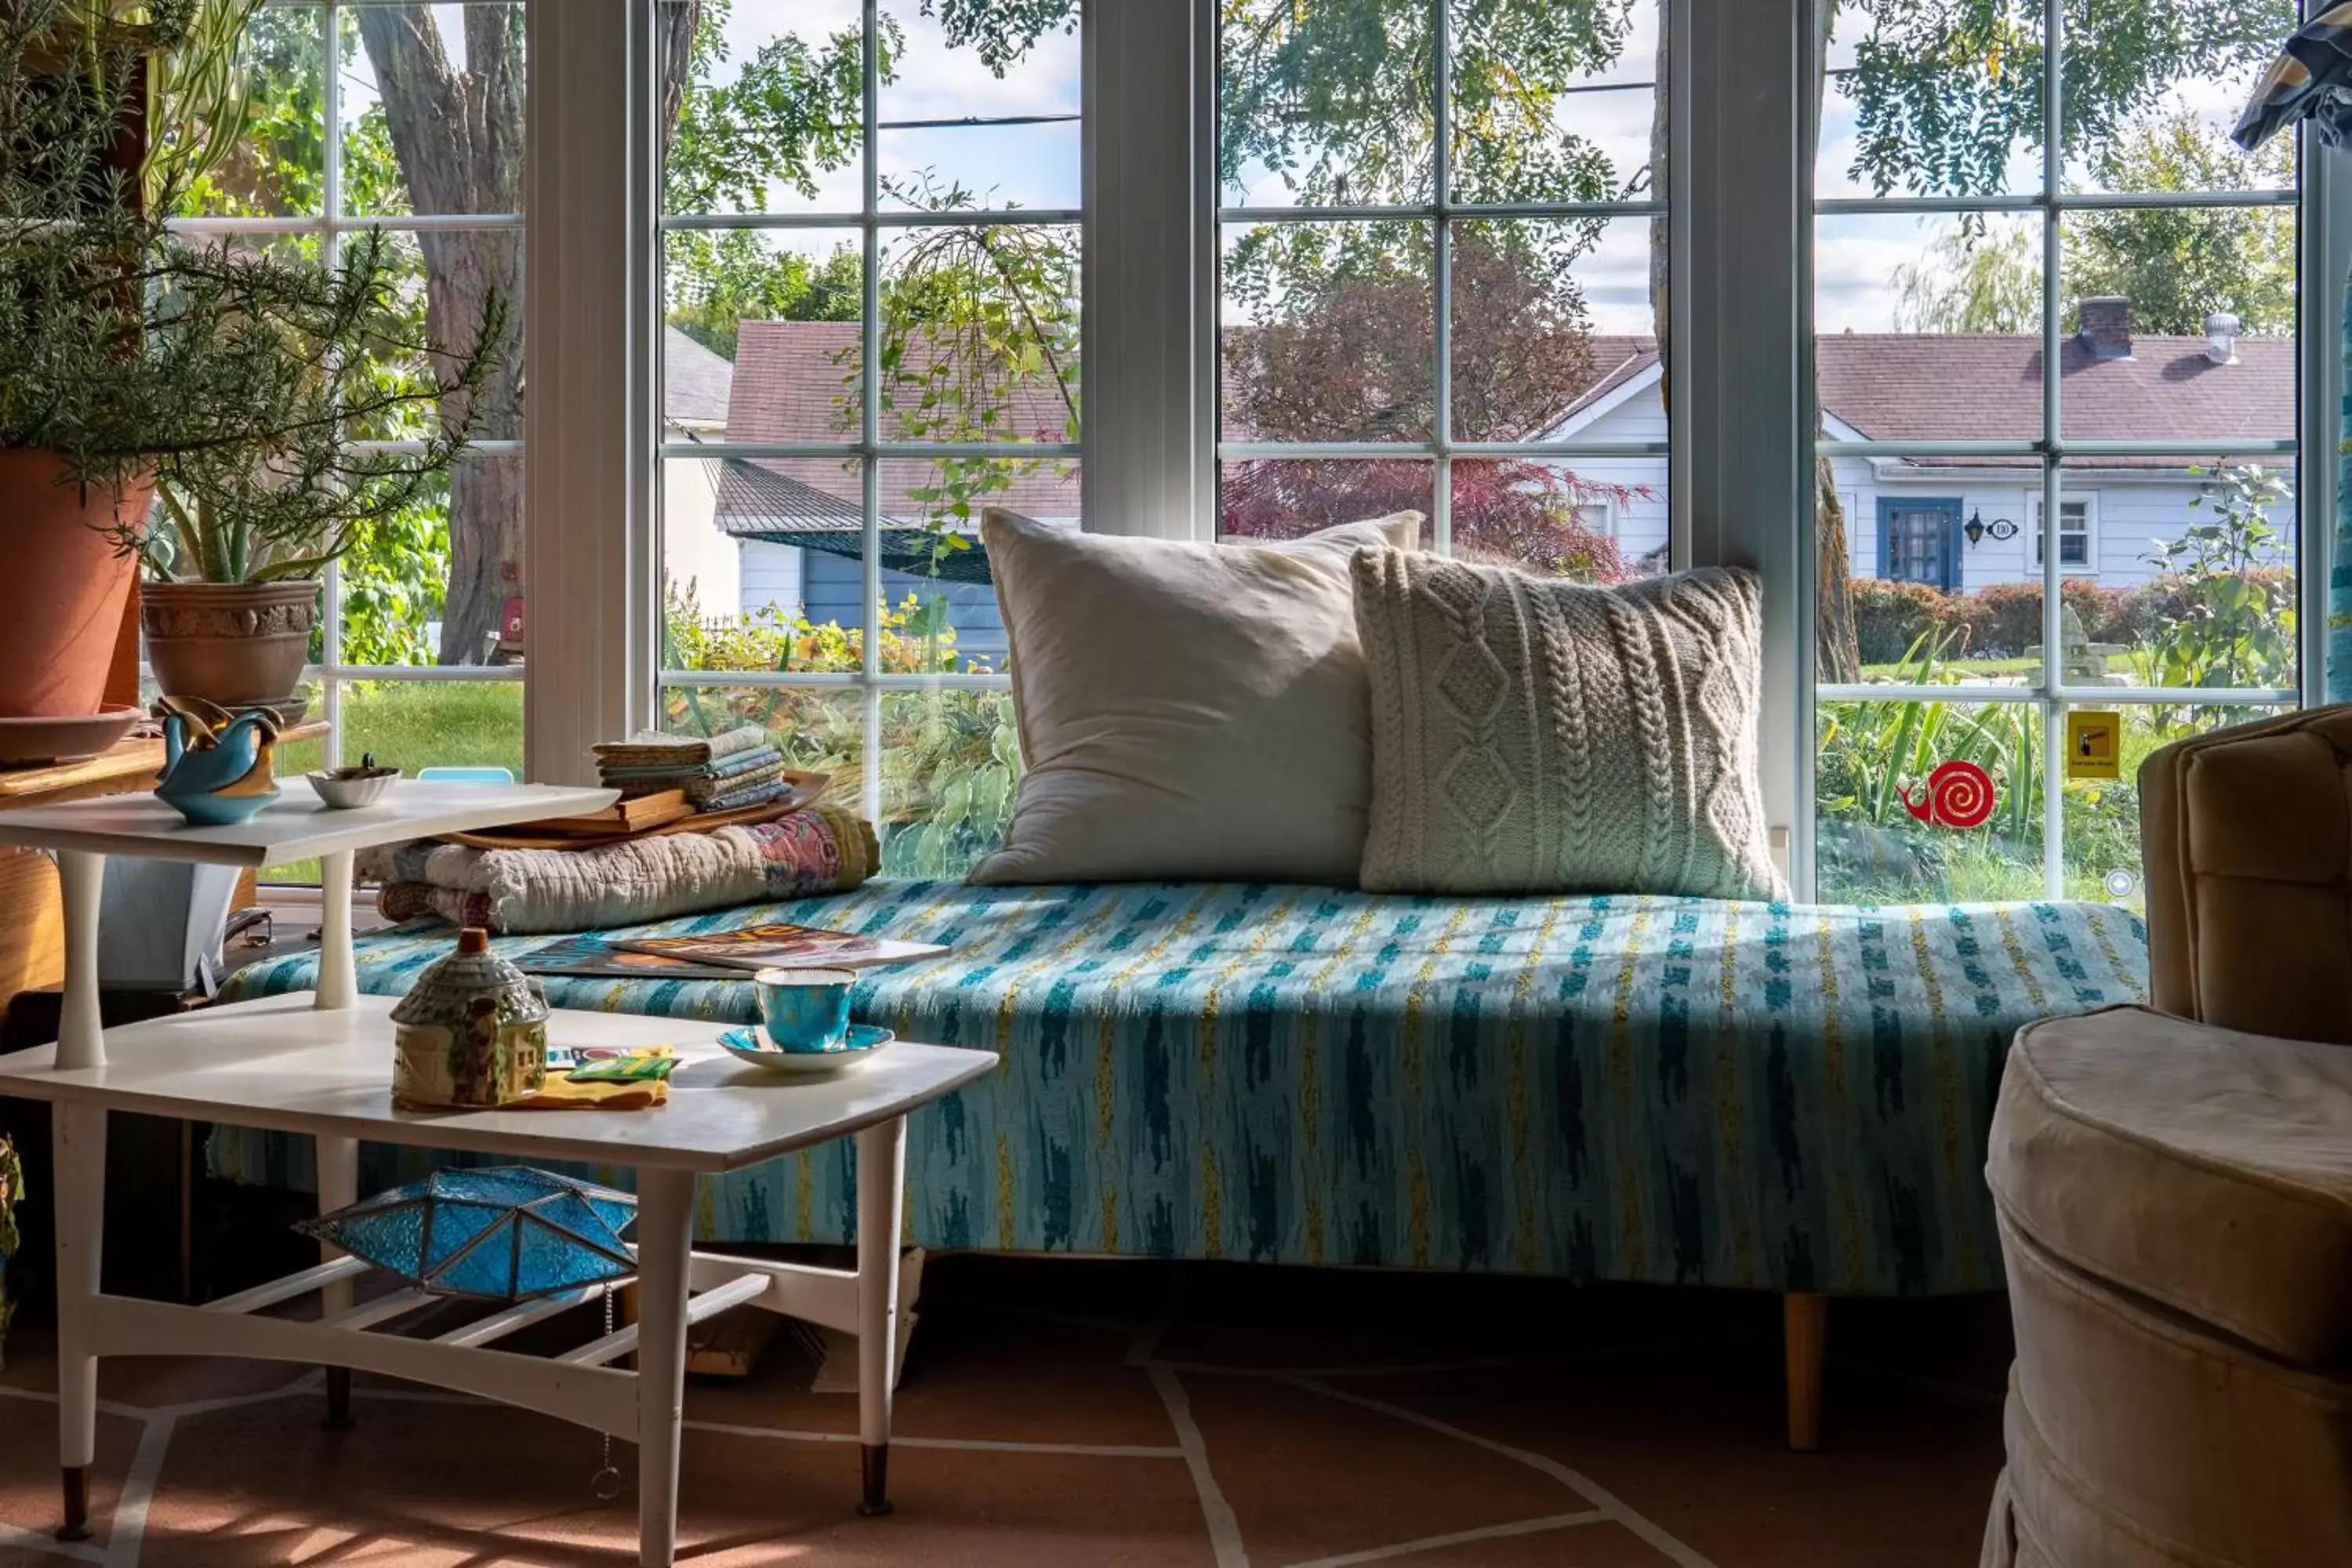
{"x": 216, "y": 768}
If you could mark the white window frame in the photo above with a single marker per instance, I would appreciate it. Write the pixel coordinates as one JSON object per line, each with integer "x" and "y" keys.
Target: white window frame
{"x": 1741, "y": 451}
{"x": 328, "y": 226}
{"x": 1441, "y": 213}
{"x": 2089, "y": 503}
{"x": 2052, "y": 201}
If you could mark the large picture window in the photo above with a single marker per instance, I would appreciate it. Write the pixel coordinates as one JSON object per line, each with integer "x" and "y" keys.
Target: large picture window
{"x": 870, "y": 286}
{"x": 1442, "y": 240}
{"x": 2057, "y": 366}
{"x": 406, "y": 118}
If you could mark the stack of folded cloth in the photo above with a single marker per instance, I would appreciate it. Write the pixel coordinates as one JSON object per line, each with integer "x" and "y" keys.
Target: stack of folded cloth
{"x": 723, "y": 773}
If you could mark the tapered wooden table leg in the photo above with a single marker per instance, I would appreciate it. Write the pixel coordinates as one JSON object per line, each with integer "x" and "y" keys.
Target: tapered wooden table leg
{"x": 665, "y": 1245}
{"x": 1804, "y": 1326}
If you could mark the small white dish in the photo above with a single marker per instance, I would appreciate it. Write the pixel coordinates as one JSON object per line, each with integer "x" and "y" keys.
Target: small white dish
{"x": 352, "y": 791}
{"x": 857, "y": 1047}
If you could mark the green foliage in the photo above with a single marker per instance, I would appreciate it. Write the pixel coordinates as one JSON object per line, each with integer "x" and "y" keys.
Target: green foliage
{"x": 1971, "y": 279}
{"x": 1891, "y": 616}
{"x": 950, "y": 758}
{"x": 1872, "y": 752}
{"x": 717, "y": 282}
{"x": 2177, "y": 264}
{"x": 2225, "y": 621}
{"x": 790, "y": 112}
{"x": 1946, "y": 91}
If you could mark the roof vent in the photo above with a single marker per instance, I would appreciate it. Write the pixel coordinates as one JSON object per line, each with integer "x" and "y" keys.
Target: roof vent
{"x": 2105, "y": 329}
{"x": 2222, "y": 330}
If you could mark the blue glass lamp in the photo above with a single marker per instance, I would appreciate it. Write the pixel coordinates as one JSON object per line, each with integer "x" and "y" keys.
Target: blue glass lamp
{"x": 507, "y": 1233}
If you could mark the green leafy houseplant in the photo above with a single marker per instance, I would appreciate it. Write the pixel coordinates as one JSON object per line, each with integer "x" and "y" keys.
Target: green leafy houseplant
{"x": 247, "y": 382}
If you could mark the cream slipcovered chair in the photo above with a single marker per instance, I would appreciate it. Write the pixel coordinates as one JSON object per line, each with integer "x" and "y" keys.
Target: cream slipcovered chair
{"x": 2175, "y": 1192}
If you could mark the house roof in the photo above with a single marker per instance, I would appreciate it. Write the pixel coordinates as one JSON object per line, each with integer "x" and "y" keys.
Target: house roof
{"x": 795, "y": 382}
{"x": 1922, "y": 386}
{"x": 695, "y": 382}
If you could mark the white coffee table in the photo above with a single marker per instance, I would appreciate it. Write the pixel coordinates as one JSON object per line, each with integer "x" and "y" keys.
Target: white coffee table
{"x": 286, "y": 1065}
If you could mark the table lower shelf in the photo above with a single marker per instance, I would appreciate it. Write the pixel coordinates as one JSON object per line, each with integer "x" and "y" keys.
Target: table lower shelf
{"x": 581, "y": 1386}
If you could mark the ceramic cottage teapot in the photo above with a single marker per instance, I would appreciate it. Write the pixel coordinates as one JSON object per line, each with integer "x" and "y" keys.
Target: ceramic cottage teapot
{"x": 471, "y": 1032}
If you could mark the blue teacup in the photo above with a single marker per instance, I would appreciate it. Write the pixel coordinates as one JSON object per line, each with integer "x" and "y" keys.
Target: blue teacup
{"x": 804, "y": 1010}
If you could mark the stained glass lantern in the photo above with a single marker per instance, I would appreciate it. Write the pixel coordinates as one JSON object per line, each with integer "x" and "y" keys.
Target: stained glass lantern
{"x": 507, "y": 1233}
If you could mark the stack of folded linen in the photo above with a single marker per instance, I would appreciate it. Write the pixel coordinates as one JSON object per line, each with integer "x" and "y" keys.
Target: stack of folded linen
{"x": 721, "y": 772}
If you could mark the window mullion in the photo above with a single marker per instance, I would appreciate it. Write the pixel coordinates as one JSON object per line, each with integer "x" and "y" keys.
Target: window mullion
{"x": 1440, "y": 74}
{"x": 870, "y": 419}
{"x": 2054, "y": 607}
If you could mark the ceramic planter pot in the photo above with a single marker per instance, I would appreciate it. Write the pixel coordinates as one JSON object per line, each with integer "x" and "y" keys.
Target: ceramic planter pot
{"x": 62, "y": 595}
{"x": 240, "y": 645}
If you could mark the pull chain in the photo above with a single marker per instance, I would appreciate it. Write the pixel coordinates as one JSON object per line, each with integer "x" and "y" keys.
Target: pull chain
{"x": 607, "y": 1482}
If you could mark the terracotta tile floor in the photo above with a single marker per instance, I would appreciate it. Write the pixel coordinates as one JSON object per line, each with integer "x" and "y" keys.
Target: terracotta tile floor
{"x": 1056, "y": 1414}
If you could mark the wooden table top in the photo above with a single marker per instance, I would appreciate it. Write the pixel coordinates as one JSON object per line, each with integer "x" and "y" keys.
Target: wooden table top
{"x": 126, "y": 765}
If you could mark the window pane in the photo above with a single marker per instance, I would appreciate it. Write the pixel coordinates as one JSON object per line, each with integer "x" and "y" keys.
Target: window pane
{"x": 817, "y": 729}
{"x": 2195, "y": 583}
{"x": 1328, "y": 333}
{"x": 1285, "y": 498}
{"x": 805, "y": 287}
{"x": 2151, "y": 351}
{"x": 980, "y": 333}
{"x": 414, "y": 724}
{"x": 980, "y": 112}
{"x": 768, "y": 98}
{"x": 1554, "y": 103}
{"x": 1902, "y": 814}
{"x": 433, "y": 109}
{"x": 950, "y": 768}
{"x": 2103, "y": 817}
{"x": 276, "y": 165}
{"x": 1933, "y": 101}
{"x": 1325, "y": 105}
{"x": 438, "y": 579}
{"x": 1599, "y": 520}
{"x": 1554, "y": 331}
{"x": 2174, "y": 134}
{"x": 442, "y": 286}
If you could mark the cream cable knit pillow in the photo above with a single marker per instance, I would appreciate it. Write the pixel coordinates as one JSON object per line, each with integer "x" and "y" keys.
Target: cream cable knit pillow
{"x": 1531, "y": 735}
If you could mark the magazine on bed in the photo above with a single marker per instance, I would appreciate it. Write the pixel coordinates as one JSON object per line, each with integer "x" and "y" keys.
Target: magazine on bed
{"x": 779, "y": 946}
{"x": 593, "y": 957}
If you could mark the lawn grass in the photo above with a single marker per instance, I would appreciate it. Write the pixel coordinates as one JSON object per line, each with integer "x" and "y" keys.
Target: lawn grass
{"x": 409, "y": 725}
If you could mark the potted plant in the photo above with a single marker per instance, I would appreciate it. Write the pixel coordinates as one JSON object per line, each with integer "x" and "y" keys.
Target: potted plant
{"x": 127, "y": 349}
{"x": 244, "y": 523}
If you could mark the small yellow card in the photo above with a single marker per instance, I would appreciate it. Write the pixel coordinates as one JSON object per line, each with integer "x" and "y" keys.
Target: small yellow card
{"x": 2094, "y": 744}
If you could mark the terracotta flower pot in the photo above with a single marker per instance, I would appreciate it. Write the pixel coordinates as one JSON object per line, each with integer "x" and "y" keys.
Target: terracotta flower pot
{"x": 241, "y": 644}
{"x": 62, "y": 594}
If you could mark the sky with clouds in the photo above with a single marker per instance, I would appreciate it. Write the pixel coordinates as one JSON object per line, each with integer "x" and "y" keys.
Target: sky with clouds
{"x": 1037, "y": 166}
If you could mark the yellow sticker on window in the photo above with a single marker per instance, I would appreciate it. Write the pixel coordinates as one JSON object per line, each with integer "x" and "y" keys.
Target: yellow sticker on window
{"x": 2094, "y": 744}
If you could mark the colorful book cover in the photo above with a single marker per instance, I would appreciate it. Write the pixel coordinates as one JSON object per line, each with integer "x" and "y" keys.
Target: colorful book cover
{"x": 591, "y": 956}
{"x": 779, "y": 946}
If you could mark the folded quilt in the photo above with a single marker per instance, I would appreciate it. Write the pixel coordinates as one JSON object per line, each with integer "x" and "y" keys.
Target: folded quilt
{"x": 739, "y": 795}
{"x": 652, "y": 749}
{"x": 800, "y": 854}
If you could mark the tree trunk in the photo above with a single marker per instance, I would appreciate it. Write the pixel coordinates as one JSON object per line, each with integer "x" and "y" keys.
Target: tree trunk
{"x": 458, "y": 134}
{"x": 1836, "y": 655}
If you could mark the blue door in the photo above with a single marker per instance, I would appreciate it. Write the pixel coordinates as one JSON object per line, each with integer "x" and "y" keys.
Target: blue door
{"x": 1919, "y": 540}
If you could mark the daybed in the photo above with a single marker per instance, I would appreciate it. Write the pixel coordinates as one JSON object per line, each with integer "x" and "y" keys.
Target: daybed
{"x": 1766, "y": 1095}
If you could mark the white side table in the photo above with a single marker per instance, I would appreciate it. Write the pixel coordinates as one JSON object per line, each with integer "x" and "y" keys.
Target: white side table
{"x": 83, "y": 832}
{"x": 284, "y": 1064}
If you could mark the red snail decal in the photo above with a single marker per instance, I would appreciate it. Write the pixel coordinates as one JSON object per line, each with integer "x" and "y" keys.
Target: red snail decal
{"x": 1959, "y": 794}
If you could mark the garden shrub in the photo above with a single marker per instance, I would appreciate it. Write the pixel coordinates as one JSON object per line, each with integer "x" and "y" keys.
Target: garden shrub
{"x": 1889, "y": 616}
{"x": 2005, "y": 618}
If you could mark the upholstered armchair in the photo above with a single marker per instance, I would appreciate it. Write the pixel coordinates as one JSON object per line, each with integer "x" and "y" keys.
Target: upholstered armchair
{"x": 2174, "y": 1186}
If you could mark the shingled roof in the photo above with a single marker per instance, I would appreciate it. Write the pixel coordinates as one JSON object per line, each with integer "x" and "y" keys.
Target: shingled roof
{"x": 793, "y": 383}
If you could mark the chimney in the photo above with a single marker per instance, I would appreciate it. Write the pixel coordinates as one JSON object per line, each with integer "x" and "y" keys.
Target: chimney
{"x": 2105, "y": 326}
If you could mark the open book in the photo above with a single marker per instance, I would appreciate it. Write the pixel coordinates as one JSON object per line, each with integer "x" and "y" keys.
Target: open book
{"x": 779, "y": 946}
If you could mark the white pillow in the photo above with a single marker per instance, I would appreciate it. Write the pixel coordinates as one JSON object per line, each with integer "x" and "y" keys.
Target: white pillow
{"x": 1188, "y": 711}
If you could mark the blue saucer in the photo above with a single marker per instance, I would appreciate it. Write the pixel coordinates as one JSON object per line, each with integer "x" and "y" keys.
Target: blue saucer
{"x": 749, "y": 1045}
